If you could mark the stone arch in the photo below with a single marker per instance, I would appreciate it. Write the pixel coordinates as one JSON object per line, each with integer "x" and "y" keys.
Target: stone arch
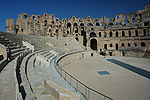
{"x": 110, "y": 33}
{"x": 100, "y": 34}
{"x": 144, "y": 32}
{"x": 129, "y": 33}
{"x": 135, "y": 44}
{"x": 111, "y": 45}
{"x": 45, "y": 23}
{"x": 73, "y": 18}
{"x": 116, "y": 46}
{"x": 89, "y": 24}
{"x": 68, "y": 25}
{"x": 75, "y": 24}
{"x": 129, "y": 44}
{"x": 88, "y": 17}
{"x": 25, "y": 16}
{"x": 92, "y": 34}
{"x": 136, "y": 33}
{"x": 105, "y": 46}
{"x": 81, "y": 24}
{"x": 123, "y": 34}
{"x": 76, "y": 30}
{"x": 105, "y": 34}
{"x": 33, "y": 17}
{"x": 122, "y": 45}
{"x": 143, "y": 44}
{"x": 52, "y": 17}
{"x": 45, "y": 14}
{"x": 77, "y": 38}
{"x": 97, "y": 24}
{"x": 117, "y": 34}
{"x": 93, "y": 44}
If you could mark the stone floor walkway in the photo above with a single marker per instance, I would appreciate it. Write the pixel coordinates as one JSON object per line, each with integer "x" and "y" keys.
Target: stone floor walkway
{"x": 7, "y": 85}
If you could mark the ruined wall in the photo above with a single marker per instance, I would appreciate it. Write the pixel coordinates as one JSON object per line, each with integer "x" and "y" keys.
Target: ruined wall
{"x": 110, "y": 35}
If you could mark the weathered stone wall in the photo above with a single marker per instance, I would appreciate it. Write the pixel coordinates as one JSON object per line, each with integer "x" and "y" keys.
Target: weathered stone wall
{"x": 103, "y": 34}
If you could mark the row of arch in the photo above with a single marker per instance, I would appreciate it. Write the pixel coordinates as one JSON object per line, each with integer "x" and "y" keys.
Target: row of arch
{"x": 142, "y": 44}
{"x": 93, "y": 45}
{"x": 123, "y": 34}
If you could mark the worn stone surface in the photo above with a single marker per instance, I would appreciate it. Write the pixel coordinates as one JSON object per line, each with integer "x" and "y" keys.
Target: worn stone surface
{"x": 124, "y": 35}
{"x": 7, "y": 84}
{"x": 120, "y": 84}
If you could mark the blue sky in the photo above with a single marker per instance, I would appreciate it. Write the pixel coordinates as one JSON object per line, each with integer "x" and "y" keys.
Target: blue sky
{"x": 68, "y": 8}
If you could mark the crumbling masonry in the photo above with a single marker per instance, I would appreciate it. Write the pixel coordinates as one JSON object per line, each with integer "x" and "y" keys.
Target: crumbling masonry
{"x": 125, "y": 35}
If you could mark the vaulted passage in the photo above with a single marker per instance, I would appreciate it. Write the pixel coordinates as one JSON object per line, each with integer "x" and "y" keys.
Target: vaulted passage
{"x": 93, "y": 44}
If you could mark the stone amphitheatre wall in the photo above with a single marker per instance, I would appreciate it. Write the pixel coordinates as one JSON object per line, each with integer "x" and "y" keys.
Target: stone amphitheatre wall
{"x": 113, "y": 36}
{"x": 74, "y": 57}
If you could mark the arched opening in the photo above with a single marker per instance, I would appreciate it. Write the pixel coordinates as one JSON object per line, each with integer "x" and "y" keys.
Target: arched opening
{"x": 45, "y": 22}
{"x": 129, "y": 33}
{"x": 25, "y": 16}
{"x": 56, "y": 20}
{"x": 68, "y": 25}
{"x": 75, "y": 24}
{"x": 97, "y": 24}
{"x": 129, "y": 44}
{"x": 117, "y": 34}
{"x": 77, "y": 39}
{"x": 84, "y": 38}
{"x": 117, "y": 23}
{"x": 99, "y": 34}
{"x": 123, "y": 53}
{"x": 52, "y": 17}
{"x": 33, "y": 17}
{"x": 53, "y": 22}
{"x": 56, "y": 30}
{"x": 93, "y": 44}
{"x": 142, "y": 44}
{"x": 76, "y": 30}
{"x": 89, "y": 24}
{"x": 92, "y": 29}
{"x": 17, "y": 31}
{"x": 144, "y": 32}
{"x": 135, "y": 45}
{"x": 136, "y": 32}
{"x": 92, "y": 34}
{"x": 111, "y": 45}
{"x": 110, "y": 53}
{"x": 110, "y": 34}
{"x": 105, "y": 46}
{"x": 105, "y": 34}
{"x": 123, "y": 34}
{"x": 122, "y": 44}
{"x": 116, "y": 46}
{"x": 81, "y": 24}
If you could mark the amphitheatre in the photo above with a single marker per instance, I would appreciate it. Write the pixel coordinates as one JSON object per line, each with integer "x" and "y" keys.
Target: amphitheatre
{"x": 76, "y": 58}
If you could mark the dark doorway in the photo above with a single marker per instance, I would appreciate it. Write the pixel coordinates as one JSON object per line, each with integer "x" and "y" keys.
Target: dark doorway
{"x": 105, "y": 46}
{"x": 84, "y": 38}
{"x": 116, "y": 46}
{"x": 110, "y": 53}
{"x": 93, "y": 44}
{"x": 17, "y": 31}
{"x": 68, "y": 25}
{"x": 123, "y": 53}
{"x": 77, "y": 39}
{"x": 92, "y": 34}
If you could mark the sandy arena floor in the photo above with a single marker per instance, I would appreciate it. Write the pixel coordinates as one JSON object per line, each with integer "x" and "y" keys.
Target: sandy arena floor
{"x": 120, "y": 84}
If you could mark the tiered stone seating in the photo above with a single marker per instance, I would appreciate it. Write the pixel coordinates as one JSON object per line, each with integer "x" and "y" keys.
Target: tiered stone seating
{"x": 33, "y": 80}
{"x": 42, "y": 42}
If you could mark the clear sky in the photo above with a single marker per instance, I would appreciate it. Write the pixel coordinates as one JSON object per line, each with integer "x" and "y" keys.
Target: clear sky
{"x": 68, "y": 8}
